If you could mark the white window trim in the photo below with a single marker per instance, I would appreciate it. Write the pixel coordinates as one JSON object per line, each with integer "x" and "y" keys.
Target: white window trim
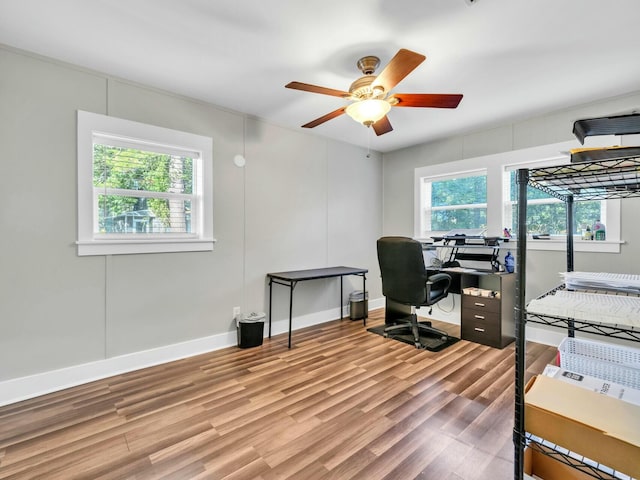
{"x": 90, "y": 243}
{"x": 496, "y": 165}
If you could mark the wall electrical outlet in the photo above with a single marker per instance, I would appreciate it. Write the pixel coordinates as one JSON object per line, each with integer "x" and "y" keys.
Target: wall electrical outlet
{"x": 236, "y": 312}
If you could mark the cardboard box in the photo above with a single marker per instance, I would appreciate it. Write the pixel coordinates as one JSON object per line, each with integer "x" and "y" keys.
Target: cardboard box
{"x": 547, "y": 468}
{"x": 603, "y": 387}
{"x": 596, "y": 426}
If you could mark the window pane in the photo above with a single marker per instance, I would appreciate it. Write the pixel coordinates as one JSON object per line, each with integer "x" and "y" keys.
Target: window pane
{"x": 119, "y": 214}
{"x": 142, "y": 171}
{"x": 459, "y": 218}
{"x": 459, "y": 191}
{"x": 454, "y": 203}
{"x": 544, "y": 218}
{"x": 131, "y": 169}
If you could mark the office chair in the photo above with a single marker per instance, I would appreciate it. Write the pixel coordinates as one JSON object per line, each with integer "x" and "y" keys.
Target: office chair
{"x": 405, "y": 281}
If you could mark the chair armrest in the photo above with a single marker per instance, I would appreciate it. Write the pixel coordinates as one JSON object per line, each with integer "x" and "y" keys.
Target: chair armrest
{"x": 438, "y": 278}
{"x": 437, "y": 287}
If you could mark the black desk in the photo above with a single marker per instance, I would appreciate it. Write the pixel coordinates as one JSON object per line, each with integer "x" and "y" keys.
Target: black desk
{"x": 485, "y": 320}
{"x": 291, "y": 279}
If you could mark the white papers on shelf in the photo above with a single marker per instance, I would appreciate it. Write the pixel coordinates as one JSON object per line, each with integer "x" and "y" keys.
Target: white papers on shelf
{"x": 621, "y": 282}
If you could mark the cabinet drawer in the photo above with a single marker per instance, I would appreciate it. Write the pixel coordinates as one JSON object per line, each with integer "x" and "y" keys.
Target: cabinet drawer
{"x": 471, "y": 302}
{"x": 481, "y": 332}
{"x": 483, "y": 317}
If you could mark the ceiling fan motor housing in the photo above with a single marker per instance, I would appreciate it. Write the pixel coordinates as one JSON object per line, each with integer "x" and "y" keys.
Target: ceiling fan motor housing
{"x": 368, "y": 65}
{"x": 361, "y": 89}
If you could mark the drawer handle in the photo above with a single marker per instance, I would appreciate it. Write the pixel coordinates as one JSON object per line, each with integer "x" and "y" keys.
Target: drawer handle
{"x": 478, "y": 304}
{"x": 479, "y": 329}
{"x": 480, "y": 317}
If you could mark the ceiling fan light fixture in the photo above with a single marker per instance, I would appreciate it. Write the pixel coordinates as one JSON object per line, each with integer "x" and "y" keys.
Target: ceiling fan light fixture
{"x": 368, "y": 112}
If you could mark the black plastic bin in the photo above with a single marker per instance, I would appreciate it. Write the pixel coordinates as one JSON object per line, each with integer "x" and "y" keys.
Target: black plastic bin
{"x": 251, "y": 330}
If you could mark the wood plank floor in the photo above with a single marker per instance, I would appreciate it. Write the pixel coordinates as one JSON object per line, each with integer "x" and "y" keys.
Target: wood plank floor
{"x": 341, "y": 404}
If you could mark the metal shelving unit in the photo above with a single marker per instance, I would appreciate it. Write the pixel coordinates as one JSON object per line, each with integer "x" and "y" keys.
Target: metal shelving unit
{"x": 611, "y": 173}
{"x": 566, "y": 457}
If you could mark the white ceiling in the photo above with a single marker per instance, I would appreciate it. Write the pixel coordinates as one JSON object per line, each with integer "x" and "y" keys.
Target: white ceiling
{"x": 511, "y": 59}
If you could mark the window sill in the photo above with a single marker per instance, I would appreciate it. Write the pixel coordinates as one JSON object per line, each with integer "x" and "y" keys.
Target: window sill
{"x": 123, "y": 247}
{"x": 560, "y": 244}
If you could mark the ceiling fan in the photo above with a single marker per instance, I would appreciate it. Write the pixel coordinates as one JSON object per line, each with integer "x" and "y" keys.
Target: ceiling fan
{"x": 371, "y": 95}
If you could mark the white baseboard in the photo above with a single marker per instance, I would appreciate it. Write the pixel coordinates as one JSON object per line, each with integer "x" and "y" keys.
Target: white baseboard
{"x": 23, "y": 388}
{"x": 18, "y": 389}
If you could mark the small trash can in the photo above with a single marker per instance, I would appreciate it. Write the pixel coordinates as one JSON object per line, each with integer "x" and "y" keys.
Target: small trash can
{"x": 358, "y": 304}
{"x": 251, "y": 330}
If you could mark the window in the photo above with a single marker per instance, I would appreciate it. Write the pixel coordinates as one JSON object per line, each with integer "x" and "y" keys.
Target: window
{"x": 547, "y": 214}
{"x": 141, "y": 188}
{"x": 481, "y": 192}
{"x": 453, "y": 202}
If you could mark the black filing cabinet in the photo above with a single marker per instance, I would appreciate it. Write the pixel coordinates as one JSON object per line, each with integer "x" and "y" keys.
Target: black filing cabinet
{"x": 488, "y": 320}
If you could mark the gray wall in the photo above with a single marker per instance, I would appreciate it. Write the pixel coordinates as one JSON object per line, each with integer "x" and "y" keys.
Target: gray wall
{"x": 300, "y": 202}
{"x": 542, "y": 267}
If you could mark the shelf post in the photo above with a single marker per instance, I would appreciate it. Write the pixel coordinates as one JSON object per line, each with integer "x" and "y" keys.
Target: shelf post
{"x": 569, "y": 206}
{"x": 571, "y": 331}
{"x": 522, "y": 181}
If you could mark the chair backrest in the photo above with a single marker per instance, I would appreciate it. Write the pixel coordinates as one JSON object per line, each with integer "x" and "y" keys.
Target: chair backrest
{"x": 404, "y": 275}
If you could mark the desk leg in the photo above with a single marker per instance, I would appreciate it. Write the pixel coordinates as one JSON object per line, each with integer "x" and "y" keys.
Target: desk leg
{"x": 291, "y": 286}
{"x": 364, "y": 293}
{"x": 270, "y": 296}
{"x": 341, "y": 314}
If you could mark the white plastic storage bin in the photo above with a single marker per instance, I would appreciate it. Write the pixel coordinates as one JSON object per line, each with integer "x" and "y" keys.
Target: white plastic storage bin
{"x": 609, "y": 362}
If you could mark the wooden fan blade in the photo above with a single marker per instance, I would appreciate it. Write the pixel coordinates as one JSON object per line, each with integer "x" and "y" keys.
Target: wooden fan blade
{"x": 324, "y": 118}
{"x": 433, "y": 100}
{"x": 404, "y": 62}
{"x": 315, "y": 89}
{"x": 382, "y": 126}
